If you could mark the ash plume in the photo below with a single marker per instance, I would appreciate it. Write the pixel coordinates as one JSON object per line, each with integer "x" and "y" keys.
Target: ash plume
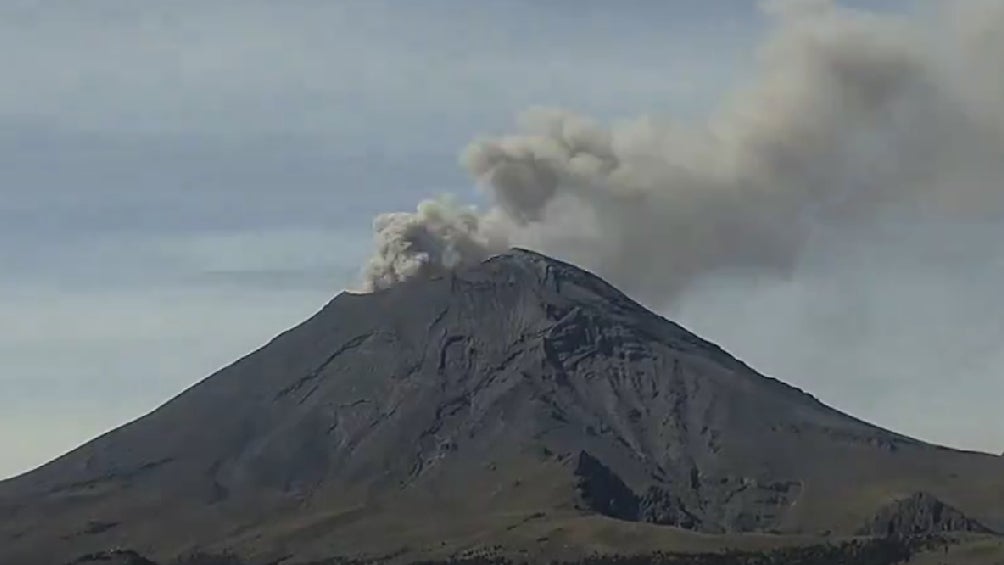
{"x": 438, "y": 236}
{"x": 851, "y": 116}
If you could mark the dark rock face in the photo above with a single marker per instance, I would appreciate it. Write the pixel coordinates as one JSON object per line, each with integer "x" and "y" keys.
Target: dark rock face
{"x": 523, "y": 382}
{"x": 603, "y": 491}
{"x": 659, "y": 506}
{"x": 720, "y": 505}
{"x": 921, "y": 513}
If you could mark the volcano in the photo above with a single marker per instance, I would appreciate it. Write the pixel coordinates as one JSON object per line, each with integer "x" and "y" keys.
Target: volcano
{"x": 521, "y": 403}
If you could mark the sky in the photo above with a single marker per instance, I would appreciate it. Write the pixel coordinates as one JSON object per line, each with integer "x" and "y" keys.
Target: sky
{"x": 181, "y": 181}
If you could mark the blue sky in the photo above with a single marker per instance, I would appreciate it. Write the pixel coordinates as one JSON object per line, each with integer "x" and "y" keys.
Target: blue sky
{"x": 181, "y": 181}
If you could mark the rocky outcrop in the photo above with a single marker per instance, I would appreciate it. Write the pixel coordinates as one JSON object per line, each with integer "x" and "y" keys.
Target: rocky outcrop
{"x": 660, "y": 506}
{"x": 918, "y": 514}
{"x": 603, "y": 491}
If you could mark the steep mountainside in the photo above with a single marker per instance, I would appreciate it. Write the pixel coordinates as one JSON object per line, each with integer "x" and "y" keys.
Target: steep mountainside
{"x": 520, "y": 402}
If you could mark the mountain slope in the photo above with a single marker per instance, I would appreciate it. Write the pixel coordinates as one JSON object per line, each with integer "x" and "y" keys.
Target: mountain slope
{"x": 521, "y": 392}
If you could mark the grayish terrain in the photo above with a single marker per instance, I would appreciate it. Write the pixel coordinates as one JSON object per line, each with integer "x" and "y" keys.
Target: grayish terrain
{"x": 521, "y": 403}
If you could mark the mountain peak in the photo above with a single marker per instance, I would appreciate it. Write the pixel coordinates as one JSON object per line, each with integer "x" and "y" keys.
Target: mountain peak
{"x": 543, "y": 269}
{"x": 525, "y": 255}
{"x": 550, "y": 280}
{"x": 521, "y": 258}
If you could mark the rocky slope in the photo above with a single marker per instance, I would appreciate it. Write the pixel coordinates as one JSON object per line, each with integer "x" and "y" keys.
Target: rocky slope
{"x": 521, "y": 395}
{"x": 920, "y": 514}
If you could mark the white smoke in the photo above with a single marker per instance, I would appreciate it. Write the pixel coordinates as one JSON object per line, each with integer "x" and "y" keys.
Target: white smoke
{"x": 851, "y": 116}
{"x": 440, "y": 235}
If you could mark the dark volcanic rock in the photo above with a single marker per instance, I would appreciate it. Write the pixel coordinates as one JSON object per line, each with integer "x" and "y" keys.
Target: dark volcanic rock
{"x": 518, "y": 387}
{"x": 921, "y": 513}
{"x": 603, "y": 491}
{"x": 660, "y": 506}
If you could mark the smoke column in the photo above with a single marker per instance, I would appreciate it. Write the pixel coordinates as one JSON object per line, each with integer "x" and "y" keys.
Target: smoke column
{"x": 851, "y": 117}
